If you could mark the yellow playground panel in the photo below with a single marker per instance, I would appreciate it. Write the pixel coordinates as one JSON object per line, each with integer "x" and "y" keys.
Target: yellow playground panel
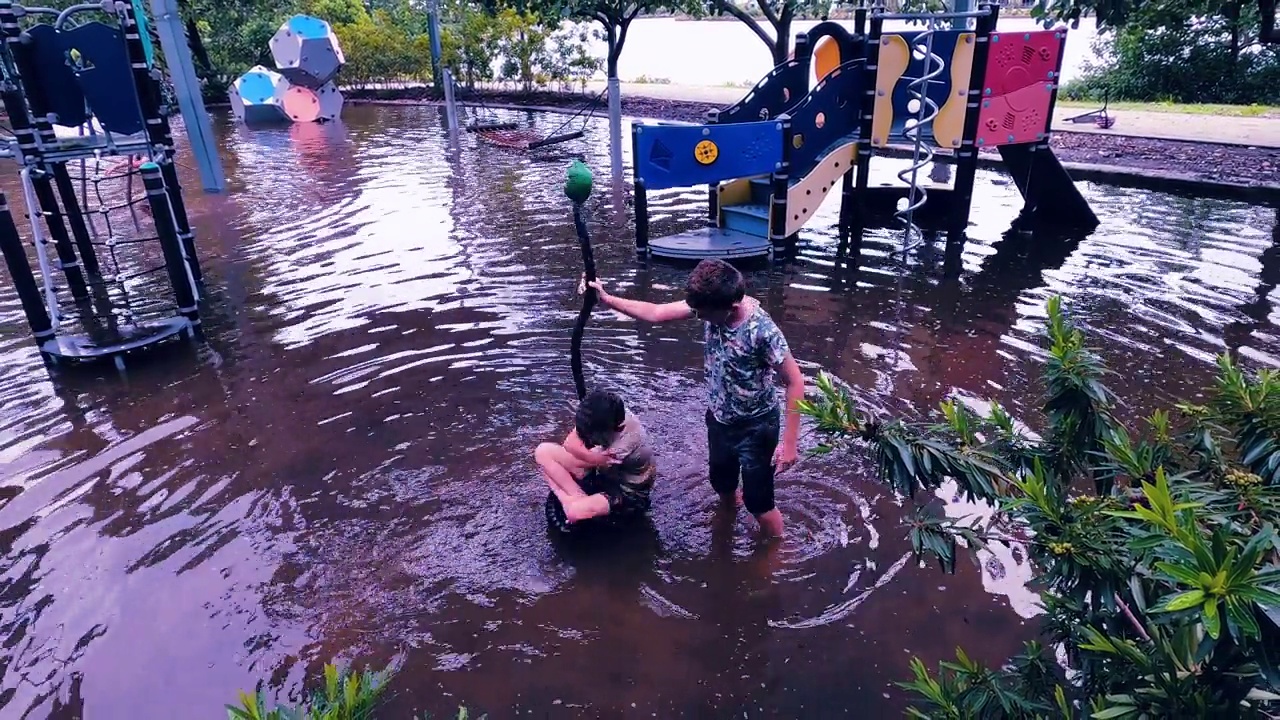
{"x": 894, "y": 59}
{"x": 804, "y": 197}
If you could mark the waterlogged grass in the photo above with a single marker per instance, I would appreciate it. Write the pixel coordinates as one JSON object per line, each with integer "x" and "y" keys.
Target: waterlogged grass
{"x": 346, "y": 695}
{"x": 1187, "y": 109}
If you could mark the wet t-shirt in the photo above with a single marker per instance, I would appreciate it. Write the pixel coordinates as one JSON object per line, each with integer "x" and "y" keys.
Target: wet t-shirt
{"x": 739, "y": 363}
{"x": 631, "y": 445}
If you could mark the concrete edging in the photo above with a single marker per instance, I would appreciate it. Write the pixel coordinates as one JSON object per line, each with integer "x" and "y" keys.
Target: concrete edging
{"x": 1163, "y": 181}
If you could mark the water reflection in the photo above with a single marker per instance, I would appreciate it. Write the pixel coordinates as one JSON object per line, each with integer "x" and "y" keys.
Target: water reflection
{"x": 343, "y": 470}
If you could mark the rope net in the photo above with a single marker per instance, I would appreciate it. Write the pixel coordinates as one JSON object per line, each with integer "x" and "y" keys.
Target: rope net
{"x": 132, "y": 287}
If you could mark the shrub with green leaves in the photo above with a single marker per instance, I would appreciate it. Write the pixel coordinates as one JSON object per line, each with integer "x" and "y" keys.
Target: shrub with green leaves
{"x": 1155, "y": 548}
{"x": 346, "y": 695}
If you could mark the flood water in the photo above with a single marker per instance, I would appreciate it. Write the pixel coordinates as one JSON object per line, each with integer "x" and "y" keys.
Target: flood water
{"x": 343, "y": 471}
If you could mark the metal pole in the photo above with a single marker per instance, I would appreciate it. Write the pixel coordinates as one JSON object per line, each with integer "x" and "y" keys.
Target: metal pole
{"x": 159, "y": 134}
{"x": 615, "y": 128}
{"x": 179, "y": 272}
{"x": 450, "y": 106}
{"x": 186, "y": 85}
{"x": 433, "y": 33}
{"x": 15, "y": 257}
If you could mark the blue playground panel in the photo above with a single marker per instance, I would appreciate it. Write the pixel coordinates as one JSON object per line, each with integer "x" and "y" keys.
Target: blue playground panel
{"x": 834, "y": 104}
{"x": 665, "y": 154}
{"x": 307, "y": 27}
{"x": 58, "y": 92}
{"x": 105, "y": 75}
{"x": 256, "y": 88}
{"x": 939, "y": 89}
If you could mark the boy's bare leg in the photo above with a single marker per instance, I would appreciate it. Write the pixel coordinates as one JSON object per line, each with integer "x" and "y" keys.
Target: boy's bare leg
{"x": 771, "y": 523}
{"x": 585, "y": 507}
{"x": 562, "y": 471}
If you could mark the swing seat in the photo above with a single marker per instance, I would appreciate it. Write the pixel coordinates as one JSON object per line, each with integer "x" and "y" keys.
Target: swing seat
{"x": 479, "y": 127}
{"x": 130, "y": 339}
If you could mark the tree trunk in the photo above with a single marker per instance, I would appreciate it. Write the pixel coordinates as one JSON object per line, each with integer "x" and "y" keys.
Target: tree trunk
{"x": 615, "y": 49}
{"x": 1269, "y": 33}
{"x": 782, "y": 45}
{"x": 729, "y": 7}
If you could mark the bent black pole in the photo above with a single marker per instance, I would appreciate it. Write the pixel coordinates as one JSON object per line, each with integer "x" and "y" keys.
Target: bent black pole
{"x": 588, "y": 301}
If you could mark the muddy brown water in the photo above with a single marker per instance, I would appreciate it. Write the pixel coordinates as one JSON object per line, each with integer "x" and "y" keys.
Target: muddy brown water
{"x": 343, "y": 471}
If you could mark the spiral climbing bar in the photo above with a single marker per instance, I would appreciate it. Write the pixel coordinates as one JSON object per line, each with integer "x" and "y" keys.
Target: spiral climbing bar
{"x": 937, "y": 96}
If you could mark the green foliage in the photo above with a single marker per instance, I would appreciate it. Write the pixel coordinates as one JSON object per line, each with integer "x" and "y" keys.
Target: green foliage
{"x": 345, "y": 695}
{"x": 1189, "y": 51}
{"x": 1159, "y": 584}
{"x": 386, "y": 41}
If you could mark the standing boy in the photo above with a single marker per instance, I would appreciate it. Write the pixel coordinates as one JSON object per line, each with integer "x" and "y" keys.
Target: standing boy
{"x": 744, "y": 351}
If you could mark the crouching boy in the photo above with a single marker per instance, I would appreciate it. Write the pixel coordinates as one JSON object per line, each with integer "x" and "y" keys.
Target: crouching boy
{"x": 608, "y": 452}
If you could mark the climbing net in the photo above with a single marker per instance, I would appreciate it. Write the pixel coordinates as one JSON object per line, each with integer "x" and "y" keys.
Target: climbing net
{"x": 111, "y": 192}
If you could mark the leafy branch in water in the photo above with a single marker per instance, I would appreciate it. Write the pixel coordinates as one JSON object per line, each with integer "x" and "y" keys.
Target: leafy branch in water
{"x": 1155, "y": 549}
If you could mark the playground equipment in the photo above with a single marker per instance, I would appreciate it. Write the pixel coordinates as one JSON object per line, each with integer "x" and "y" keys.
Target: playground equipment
{"x": 486, "y": 126}
{"x": 301, "y": 88}
{"x": 773, "y": 157}
{"x": 96, "y": 76}
{"x": 577, "y": 188}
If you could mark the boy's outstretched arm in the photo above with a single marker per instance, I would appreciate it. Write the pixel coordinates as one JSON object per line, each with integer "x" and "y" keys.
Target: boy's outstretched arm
{"x": 793, "y": 380}
{"x": 641, "y": 310}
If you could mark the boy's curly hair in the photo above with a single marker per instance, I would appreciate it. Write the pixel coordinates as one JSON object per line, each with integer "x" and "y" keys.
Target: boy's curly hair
{"x": 714, "y": 285}
{"x": 600, "y": 414}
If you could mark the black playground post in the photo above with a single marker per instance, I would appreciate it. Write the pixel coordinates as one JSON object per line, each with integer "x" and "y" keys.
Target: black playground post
{"x": 75, "y": 217}
{"x": 183, "y": 290}
{"x": 15, "y": 105}
{"x": 15, "y": 257}
{"x": 39, "y": 108}
{"x": 781, "y": 183}
{"x": 967, "y": 153}
{"x": 642, "y": 200}
{"x": 713, "y": 189}
{"x": 159, "y": 133}
{"x": 853, "y": 199}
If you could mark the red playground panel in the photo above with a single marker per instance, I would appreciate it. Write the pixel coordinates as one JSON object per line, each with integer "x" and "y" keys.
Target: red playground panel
{"x": 1017, "y": 91}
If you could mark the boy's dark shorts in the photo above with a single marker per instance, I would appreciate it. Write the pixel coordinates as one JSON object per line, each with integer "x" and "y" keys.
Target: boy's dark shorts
{"x": 745, "y": 448}
{"x": 624, "y": 498}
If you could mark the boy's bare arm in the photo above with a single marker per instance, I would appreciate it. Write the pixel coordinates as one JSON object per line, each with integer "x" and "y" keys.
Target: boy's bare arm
{"x": 793, "y": 380}
{"x": 588, "y": 457}
{"x": 641, "y": 310}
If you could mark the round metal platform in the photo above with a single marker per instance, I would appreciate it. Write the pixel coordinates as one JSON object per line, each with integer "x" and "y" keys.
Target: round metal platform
{"x": 710, "y": 242}
{"x": 84, "y": 348}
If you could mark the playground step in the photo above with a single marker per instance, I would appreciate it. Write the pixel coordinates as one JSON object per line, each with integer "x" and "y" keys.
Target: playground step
{"x": 761, "y": 190}
{"x": 752, "y": 219}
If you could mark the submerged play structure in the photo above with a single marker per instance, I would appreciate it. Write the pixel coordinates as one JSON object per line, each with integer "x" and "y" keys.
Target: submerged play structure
{"x": 774, "y": 156}
{"x": 81, "y": 90}
{"x": 301, "y": 88}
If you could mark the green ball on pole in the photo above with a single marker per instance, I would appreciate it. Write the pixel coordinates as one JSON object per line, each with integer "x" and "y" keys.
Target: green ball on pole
{"x": 577, "y": 182}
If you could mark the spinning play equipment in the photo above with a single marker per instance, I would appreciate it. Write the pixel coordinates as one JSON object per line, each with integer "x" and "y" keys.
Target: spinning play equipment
{"x": 97, "y": 293}
{"x": 772, "y": 158}
{"x": 301, "y": 88}
{"x": 577, "y": 187}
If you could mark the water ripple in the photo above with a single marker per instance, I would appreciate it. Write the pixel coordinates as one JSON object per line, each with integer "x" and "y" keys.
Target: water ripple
{"x": 345, "y": 469}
